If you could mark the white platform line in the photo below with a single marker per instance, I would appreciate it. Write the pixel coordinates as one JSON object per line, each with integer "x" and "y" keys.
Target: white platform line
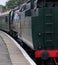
{"x": 22, "y": 50}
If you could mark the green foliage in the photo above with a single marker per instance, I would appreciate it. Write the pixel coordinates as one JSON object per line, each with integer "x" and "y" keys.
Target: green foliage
{"x": 14, "y": 3}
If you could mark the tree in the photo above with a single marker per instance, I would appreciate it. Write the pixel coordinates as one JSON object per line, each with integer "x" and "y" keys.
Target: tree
{"x": 14, "y": 3}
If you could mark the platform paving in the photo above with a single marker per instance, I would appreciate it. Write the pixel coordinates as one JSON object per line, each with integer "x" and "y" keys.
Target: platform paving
{"x": 16, "y": 56}
{"x": 4, "y": 55}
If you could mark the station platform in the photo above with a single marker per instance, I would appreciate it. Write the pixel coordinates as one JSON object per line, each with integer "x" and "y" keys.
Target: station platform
{"x": 11, "y": 53}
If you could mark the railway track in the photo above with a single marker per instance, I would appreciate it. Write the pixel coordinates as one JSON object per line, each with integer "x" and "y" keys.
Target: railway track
{"x": 50, "y": 61}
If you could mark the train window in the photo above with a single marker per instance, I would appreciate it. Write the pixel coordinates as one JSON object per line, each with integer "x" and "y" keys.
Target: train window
{"x": 47, "y": 3}
{"x": 23, "y": 8}
{"x": 49, "y": 0}
{"x": 28, "y": 5}
{"x": 50, "y": 3}
{"x": 16, "y": 18}
{"x": 56, "y": 0}
{"x": 56, "y": 3}
{"x": 32, "y": 4}
{"x": 28, "y": 1}
{"x": 6, "y": 19}
{"x": 39, "y": 3}
{"x": 35, "y": 4}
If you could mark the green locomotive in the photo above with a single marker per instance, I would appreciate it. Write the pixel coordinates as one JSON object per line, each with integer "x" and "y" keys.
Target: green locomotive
{"x": 45, "y": 28}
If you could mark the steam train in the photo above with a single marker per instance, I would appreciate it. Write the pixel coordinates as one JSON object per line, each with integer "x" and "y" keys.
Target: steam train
{"x": 35, "y": 23}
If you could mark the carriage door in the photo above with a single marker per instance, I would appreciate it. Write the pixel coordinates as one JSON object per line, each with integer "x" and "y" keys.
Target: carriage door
{"x": 48, "y": 25}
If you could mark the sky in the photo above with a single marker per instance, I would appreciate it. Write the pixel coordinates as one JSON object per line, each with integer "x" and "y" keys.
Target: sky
{"x": 3, "y": 2}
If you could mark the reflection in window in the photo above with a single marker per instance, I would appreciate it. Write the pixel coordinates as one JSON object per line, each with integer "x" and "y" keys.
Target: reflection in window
{"x": 47, "y": 3}
{"x": 16, "y": 18}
